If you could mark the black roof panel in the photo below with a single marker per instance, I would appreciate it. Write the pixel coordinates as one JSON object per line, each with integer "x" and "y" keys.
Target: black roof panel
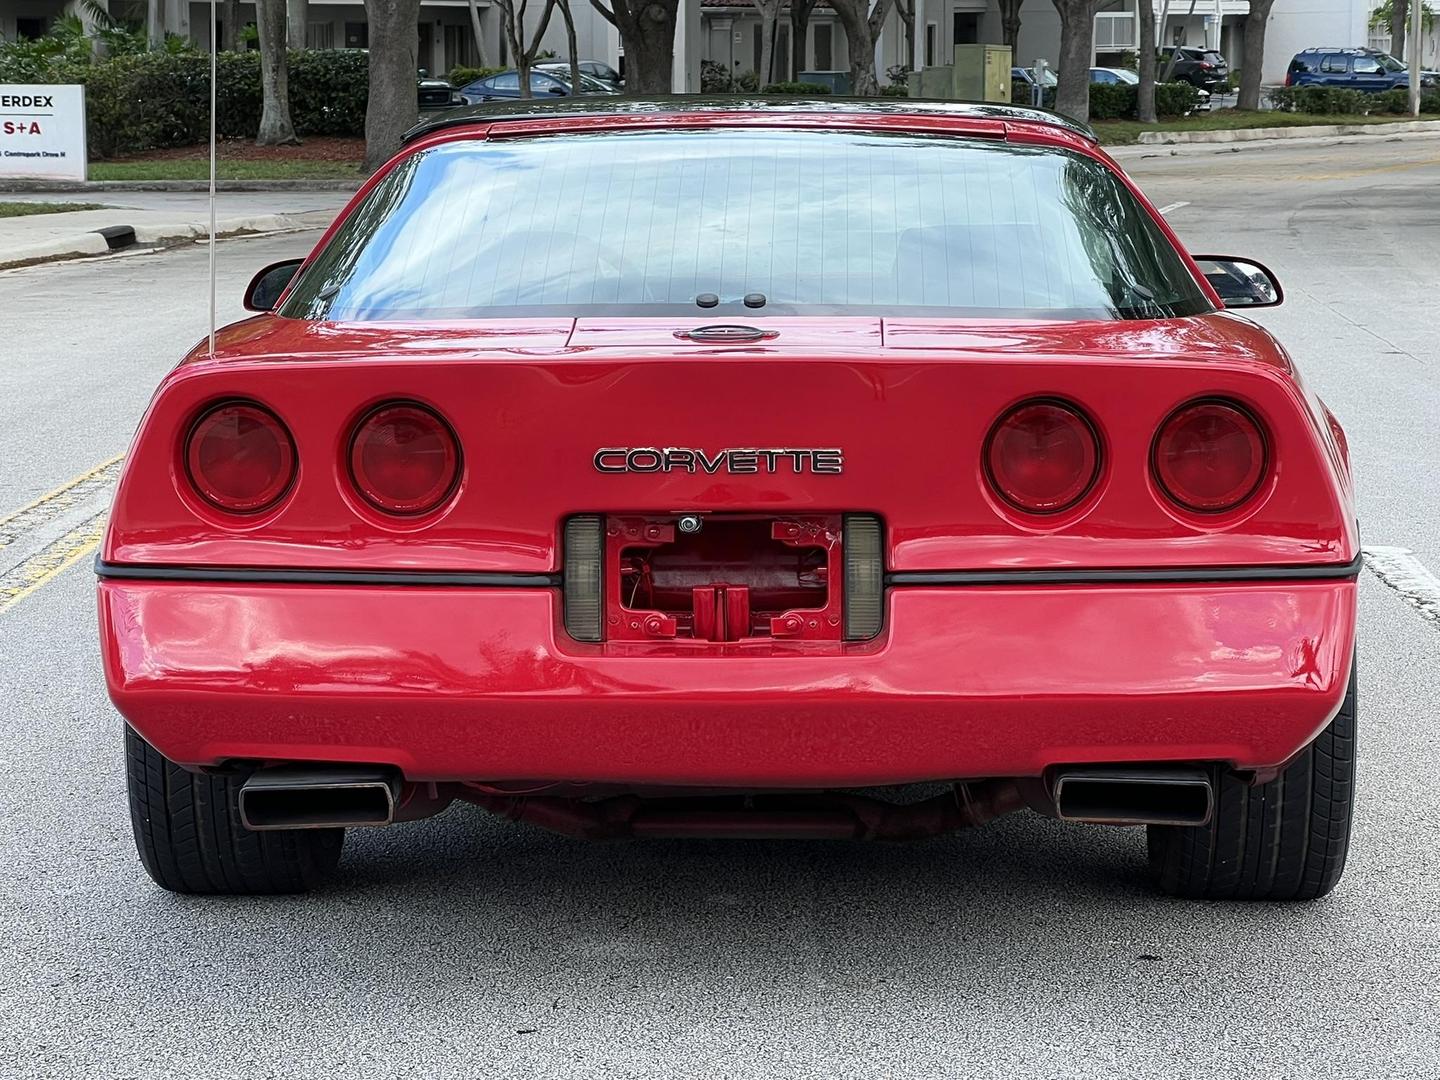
{"x": 679, "y": 104}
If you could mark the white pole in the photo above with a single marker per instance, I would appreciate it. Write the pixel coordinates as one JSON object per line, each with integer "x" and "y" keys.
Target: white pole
{"x": 214, "y": 65}
{"x": 1417, "y": 11}
{"x": 680, "y": 61}
{"x": 918, "y": 60}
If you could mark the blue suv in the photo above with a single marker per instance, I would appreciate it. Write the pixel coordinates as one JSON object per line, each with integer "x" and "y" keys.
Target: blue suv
{"x": 1350, "y": 69}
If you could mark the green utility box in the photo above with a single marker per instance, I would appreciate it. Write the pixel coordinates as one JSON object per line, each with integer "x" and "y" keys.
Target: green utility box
{"x": 980, "y": 73}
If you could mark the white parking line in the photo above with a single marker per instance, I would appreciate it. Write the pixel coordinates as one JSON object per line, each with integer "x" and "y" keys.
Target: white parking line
{"x": 1402, "y": 571}
{"x": 1173, "y": 206}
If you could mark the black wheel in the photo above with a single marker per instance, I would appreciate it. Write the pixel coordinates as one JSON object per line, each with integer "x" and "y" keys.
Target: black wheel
{"x": 188, "y": 832}
{"x": 1285, "y": 840}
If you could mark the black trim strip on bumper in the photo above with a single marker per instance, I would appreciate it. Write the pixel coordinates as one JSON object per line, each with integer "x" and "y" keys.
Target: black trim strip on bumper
{"x": 255, "y": 575}
{"x": 1162, "y": 575}
{"x": 1151, "y": 575}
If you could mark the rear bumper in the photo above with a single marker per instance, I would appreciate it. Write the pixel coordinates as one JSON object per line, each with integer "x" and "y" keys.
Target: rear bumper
{"x": 481, "y": 684}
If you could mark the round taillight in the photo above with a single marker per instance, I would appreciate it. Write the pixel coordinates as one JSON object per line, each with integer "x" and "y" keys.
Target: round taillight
{"x": 1209, "y": 456}
{"x": 240, "y": 458}
{"x": 404, "y": 459}
{"x": 1042, "y": 457}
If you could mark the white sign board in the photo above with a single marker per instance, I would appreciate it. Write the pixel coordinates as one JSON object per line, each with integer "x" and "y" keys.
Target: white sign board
{"x": 42, "y": 132}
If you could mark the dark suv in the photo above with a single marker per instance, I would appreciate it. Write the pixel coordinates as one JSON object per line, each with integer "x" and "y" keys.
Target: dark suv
{"x": 1201, "y": 68}
{"x": 1351, "y": 69}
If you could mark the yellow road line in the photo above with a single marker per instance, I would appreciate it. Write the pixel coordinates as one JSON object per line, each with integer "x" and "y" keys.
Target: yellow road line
{"x": 54, "y": 503}
{"x": 50, "y": 561}
{"x": 1369, "y": 170}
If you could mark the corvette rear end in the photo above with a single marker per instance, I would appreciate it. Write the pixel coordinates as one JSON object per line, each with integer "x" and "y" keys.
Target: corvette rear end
{"x": 616, "y": 498}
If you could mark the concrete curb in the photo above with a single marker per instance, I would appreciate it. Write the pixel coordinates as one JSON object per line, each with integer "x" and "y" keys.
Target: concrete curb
{"x": 100, "y": 186}
{"x": 1320, "y": 131}
{"x": 167, "y": 234}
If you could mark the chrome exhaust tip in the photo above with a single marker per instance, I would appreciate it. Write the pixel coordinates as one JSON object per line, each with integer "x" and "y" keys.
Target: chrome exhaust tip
{"x": 1116, "y": 796}
{"x": 299, "y": 797}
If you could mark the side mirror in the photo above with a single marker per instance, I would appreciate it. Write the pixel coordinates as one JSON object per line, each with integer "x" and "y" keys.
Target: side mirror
{"x": 1241, "y": 283}
{"x": 267, "y": 286}
{"x": 558, "y": 90}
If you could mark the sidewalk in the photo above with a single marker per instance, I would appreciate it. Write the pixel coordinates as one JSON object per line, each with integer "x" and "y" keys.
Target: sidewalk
{"x": 151, "y": 221}
{"x": 1188, "y": 143}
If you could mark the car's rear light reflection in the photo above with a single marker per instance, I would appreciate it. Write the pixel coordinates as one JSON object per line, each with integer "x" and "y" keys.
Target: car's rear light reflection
{"x": 1210, "y": 456}
{"x": 404, "y": 459}
{"x": 239, "y": 457}
{"x": 1042, "y": 457}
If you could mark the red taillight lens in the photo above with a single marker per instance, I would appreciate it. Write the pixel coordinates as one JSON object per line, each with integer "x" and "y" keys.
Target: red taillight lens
{"x": 1042, "y": 457}
{"x": 1210, "y": 456}
{"x": 240, "y": 458}
{"x": 404, "y": 459}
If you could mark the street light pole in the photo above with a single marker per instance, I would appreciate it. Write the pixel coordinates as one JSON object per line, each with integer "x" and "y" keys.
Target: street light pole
{"x": 1417, "y": 11}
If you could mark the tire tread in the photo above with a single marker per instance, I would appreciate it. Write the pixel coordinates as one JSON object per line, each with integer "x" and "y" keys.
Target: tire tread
{"x": 190, "y": 838}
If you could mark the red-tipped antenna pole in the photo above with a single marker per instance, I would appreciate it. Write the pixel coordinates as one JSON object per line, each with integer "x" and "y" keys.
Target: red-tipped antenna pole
{"x": 214, "y": 67}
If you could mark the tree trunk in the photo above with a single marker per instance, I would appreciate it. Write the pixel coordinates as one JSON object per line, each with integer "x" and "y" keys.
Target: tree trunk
{"x": 514, "y": 19}
{"x": 229, "y": 12}
{"x": 799, "y": 35}
{"x": 769, "y": 12}
{"x": 275, "y": 126}
{"x": 1253, "y": 60}
{"x": 298, "y": 15}
{"x": 1399, "y": 12}
{"x": 862, "y": 26}
{"x": 1077, "y": 48}
{"x": 1010, "y": 25}
{"x": 1145, "y": 105}
{"x": 392, "y": 108}
{"x": 571, "y": 44}
{"x": 647, "y": 30}
{"x": 513, "y": 24}
{"x": 906, "y": 10}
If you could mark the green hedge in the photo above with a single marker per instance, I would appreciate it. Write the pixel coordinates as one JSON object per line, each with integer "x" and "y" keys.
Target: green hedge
{"x": 1117, "y": 102}
{"x": 1335, "y": 101}
{"x": 155, "y": 100}
{"x": 1120, "y": 102}
{"x": 1020, "y": 94}
{"x": 800, "y": 89}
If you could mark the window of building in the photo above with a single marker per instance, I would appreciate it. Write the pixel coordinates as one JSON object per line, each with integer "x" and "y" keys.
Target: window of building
{"x": 319, "y": 35}
{"x": 967, "y": 28}
{"x": 357, "y": 35}
{"x": 932, "y": 31}
{"x": 459, "y": 47}
{"x": 1114, "y": 30}
{"x": 30, "y": 29}
{"x": 824, "y": 53}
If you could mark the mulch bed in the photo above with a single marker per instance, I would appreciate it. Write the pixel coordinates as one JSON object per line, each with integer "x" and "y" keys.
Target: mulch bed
{"x": 315, "y": 148}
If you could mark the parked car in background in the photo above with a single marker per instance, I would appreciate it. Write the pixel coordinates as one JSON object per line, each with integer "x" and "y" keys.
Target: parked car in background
{"x": 597, "y": 69}
{"x": 1204, "y": 69}
{"x": 436, "y": 93}
{"x": 1126, "y": 77}
{"x": 549, "y": 80}
{"x": 1352, "y": 69}
{"x": 1027, "y": 76}
{"x": 1113, "y": 77}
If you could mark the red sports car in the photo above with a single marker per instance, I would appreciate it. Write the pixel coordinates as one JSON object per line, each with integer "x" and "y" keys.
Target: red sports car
{"x": 740, "y": 468}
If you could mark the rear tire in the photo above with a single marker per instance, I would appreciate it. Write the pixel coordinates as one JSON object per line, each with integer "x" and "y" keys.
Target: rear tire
{"x": 190, "y": 839}
{"x": 1284, "y": 840}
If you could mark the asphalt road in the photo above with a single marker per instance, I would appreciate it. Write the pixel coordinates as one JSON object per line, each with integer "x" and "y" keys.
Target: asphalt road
{"x": 466, "y": 947}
